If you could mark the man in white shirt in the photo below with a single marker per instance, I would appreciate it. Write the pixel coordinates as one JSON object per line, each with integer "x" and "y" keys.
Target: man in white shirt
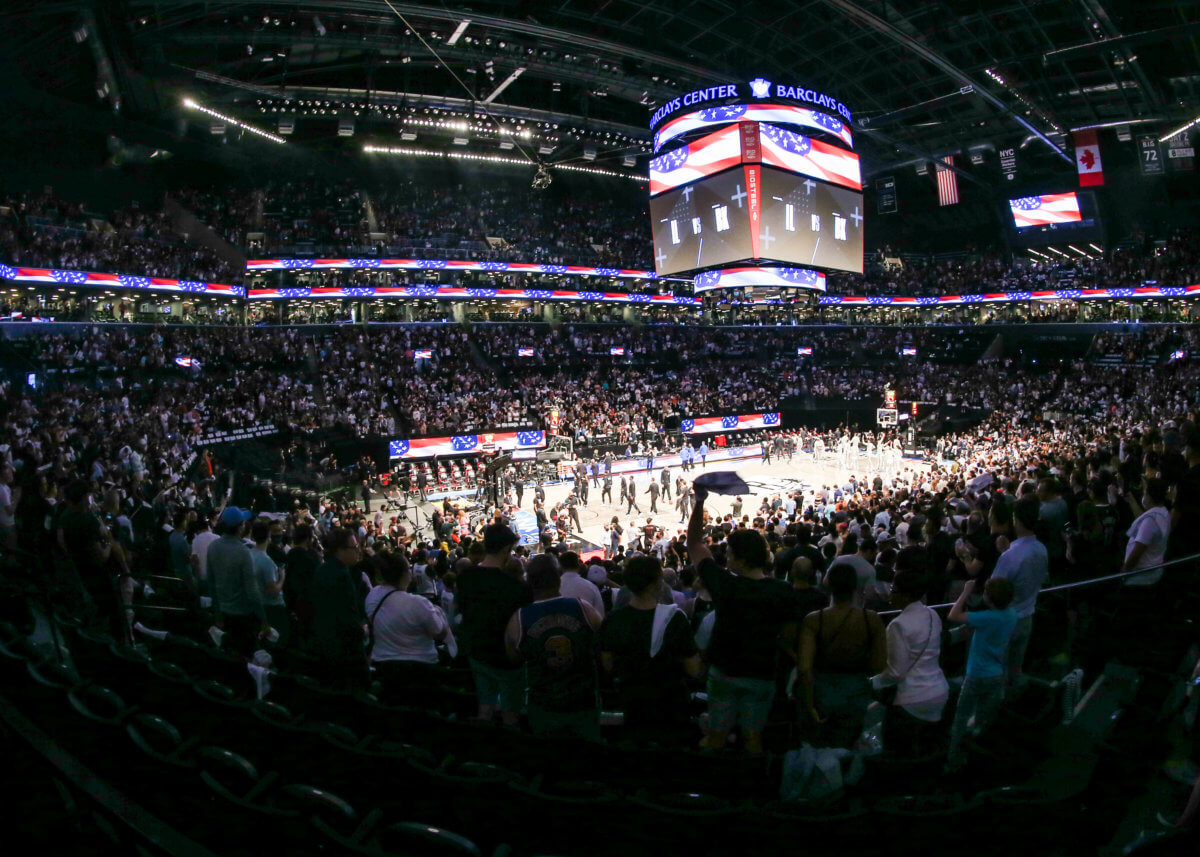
{"x": 200, "y": 545}
{"x": 573, "y": 585}
{"x": 1148, "y": 536}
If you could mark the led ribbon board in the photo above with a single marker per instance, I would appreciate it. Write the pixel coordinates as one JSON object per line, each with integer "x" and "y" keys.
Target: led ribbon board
{"x": 465, "y": 444}
{"x": 775, "y": 114}
{"x": 733, "y": 422}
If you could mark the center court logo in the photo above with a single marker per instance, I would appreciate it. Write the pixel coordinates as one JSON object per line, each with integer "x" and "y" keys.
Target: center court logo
{"x": 760, "y": 88}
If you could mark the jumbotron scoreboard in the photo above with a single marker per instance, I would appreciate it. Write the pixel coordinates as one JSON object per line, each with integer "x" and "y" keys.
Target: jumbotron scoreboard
{"x": 756, "y": 175}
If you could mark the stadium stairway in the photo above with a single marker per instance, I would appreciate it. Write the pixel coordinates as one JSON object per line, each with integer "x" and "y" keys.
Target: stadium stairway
{"x": 197, "y": 232}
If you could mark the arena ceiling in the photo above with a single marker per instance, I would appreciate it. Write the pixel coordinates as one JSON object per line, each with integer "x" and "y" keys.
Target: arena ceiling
{"x": 922, "y": 77}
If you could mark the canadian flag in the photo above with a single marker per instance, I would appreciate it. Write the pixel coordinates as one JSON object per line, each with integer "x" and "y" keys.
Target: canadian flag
{"x": 1087, "y": 159}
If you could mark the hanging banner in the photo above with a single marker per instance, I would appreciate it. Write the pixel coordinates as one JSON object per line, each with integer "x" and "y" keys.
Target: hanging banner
{"x": 1149, "y": 155}
{"x": 1008, "y": 163}
{"x": 885, "y": 195}
{"x": 1087, "y": 159}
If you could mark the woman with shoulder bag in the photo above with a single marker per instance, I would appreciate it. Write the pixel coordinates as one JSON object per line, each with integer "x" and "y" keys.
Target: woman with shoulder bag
{"x": 912, "y": 686}
{"x": 404, "y": 630}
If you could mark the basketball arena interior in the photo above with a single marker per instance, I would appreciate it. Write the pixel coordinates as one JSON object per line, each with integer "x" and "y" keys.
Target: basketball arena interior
{"x": 571, "y": 429}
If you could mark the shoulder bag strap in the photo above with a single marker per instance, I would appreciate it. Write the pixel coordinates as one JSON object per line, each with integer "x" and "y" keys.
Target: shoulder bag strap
{"x": 371, "y": 621}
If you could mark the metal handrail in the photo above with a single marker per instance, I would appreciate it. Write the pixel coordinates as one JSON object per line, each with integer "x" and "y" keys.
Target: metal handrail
{"x": 1063, "y": 586}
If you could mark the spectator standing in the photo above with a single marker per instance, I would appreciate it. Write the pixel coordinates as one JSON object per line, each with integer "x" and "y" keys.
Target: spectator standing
{"x": 992, "y": 634}
{"x": 1025, "y": 564}
{"x": 752, "y": 611}
{"x": 555, "y": 637}
{"x": 914, "y": 647}
{"x": 648, "y": 648}
{"x": 271, "y": 580}
{"x": 404, "y": 629}
{"x": 574, "y": 585}
{"x": 237, "y": 596}
{"x": 338, "y": 621}
{"x": 487, "y": 599}
{"x": 841, "y": 647}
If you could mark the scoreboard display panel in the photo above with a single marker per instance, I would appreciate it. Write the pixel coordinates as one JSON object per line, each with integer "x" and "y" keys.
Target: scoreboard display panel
{"x": 807, "y": 222}
{"x": 702, "y": 225}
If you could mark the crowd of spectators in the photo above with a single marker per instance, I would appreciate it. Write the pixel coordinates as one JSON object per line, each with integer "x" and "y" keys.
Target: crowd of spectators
{"x": 41, "y": 230}
{"x": 1070, "y": 476}
{"x": 502, "y": 220}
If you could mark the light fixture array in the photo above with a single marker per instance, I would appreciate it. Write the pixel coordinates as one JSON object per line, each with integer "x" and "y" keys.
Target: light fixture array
{"x": 410, "y": 151}
{"x": 237, "y": 123}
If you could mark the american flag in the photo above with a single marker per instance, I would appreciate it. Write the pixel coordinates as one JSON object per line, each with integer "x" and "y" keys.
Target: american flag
{"x": 687, "y": 426}
{"x": 1045, "y": 209}
{"x": 397, "y": 449}
{"x": 294, "y": 293}
{"x": 531, "y": 438}
{"x": 1121, "y": 292}
{"x": 770, "y": 419}
{"x": 553, "y": 269}
{"x": 362, "y": 263}
{"x": 130, "y": 281}
{"x": 481, "y": 293}
{"x": 430, "y": 264}
{"x": 799, "y": 154}
{"x": 192, "y": 286}
{"x": 464, "y": 442}
{"x": 7, "y": 272}
{"x": 607, "y": 272}
{"x": 423, "y": 354}
{"x": 359, "y": 291}
{"x": 730, "y": 422}
{"x": 524, "y": 352}
{"x": 538, "y": 294}
{"x": 639, "y": 299}
{"x": 705, "y": 157}
{"x": 297, "y": 263}
{"x": 947, "y": 182}
{"x": 76, "y": 277}
{"x": 493, "y": 266}
{"x": 591, "y": 296}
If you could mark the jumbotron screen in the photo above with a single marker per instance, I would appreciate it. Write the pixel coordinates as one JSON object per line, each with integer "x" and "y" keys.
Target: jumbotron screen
{"x": 1046, "y": 210}
{"x": 807, "y": 222}
{"x": 701, "y": 225}
{"x": 801, "y": 221}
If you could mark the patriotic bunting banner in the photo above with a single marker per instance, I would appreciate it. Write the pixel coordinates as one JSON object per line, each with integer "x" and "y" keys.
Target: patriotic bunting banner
{"x": 740, "y": 422}
{"x": 445, "y": 265}
{"x": 705, "y": 157}
{"x": 1045, "y": 209}
{"x": 465, "y": 444}
{"x": 776, "y": 114}
{"x": 117, "y": 281}
{"x": 799, "y": 154}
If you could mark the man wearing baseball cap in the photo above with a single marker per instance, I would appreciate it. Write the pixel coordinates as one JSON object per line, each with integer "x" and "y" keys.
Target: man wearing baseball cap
{"x": 237, "y": 598}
